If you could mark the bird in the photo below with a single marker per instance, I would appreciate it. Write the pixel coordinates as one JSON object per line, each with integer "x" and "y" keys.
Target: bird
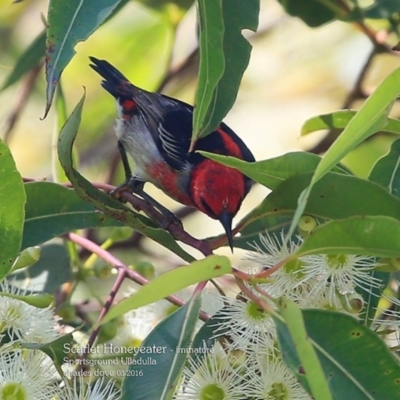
{"x": 156, "y": 131}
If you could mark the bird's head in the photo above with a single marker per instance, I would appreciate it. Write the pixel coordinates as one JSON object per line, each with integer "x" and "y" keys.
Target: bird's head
{"x": 218, "y": 191}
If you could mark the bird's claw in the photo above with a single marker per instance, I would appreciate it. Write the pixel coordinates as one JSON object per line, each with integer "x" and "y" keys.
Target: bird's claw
{"x": 170, "y": 218}
{"x": 129, "y": 185}
{"x": 116, "y": 193}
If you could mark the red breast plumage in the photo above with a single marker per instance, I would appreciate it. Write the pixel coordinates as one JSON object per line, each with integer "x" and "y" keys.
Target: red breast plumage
{"x": 155, "y": 130}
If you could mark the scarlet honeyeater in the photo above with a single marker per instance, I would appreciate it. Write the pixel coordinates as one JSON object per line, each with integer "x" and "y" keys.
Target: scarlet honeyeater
{"x": 156, "y": 132}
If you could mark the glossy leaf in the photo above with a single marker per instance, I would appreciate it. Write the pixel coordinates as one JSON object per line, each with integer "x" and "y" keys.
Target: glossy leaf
{"x": 356, "y": 362}
{"x": 371, "y": 236}
{"x": 312, "y": 12}
{"x": 272, "y": 172}
{"x": 70, "y": 22}
{"x": 12, "y": 201}
{"x": 28, "y": 60}
{"x": 335, "y": 196}
{"x": 204, "y": 341}
{"x": 52, "y": 210}
{"x": 339, "y": 120}
{"x": 292, "y": 330}
{"x": 205, "y": 337}
{"x": 371, "y": 118}
{"x": 101, "y": 201}
{"x": 47, "y": 275}
{"x": 26, "y": 258}
{"x": 170, "y": 282}
{"x": 58, "y": 173}
{"x": 212, "y": 62}
{"x": 57, "y": 350}
{"x": 184, "y": 5}
{"x": 38, "y": 300}
{"x": 386, "y": 171}
{"x": 164, "y": 342}
{"x": 223, "y": 58}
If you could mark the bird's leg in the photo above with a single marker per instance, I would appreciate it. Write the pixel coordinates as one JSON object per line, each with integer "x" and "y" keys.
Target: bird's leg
{"x": 135, "y": 185}
{"x": 130, "y": 182}
{"x": 169, "y": 217}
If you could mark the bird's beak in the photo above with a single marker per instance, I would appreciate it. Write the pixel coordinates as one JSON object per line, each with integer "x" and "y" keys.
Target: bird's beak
{"x": 226, "y": 221}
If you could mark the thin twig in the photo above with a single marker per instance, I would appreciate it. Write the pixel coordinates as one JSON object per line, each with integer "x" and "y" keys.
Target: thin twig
{"x": 21, "y": 101}
{"x": 123, "y": 272}
{"x": 356, "y": 93}
{"x": 175, "y": 229}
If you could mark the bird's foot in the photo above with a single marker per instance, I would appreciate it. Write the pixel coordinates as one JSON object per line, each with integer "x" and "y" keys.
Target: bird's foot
{"x": 131, "y": 185}
{"x": 170, "y": 218}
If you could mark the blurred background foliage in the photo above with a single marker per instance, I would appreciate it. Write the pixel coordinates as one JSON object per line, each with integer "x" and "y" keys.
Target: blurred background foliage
{"x": 295, "y": 72}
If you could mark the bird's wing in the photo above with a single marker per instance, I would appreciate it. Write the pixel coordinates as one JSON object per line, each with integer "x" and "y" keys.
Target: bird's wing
{"x": 175, "y": 132}
{"x": 168, "y": 120}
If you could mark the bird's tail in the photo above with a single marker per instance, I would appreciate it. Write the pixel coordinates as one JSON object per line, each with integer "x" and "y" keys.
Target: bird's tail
{"x": 114, "y": 82}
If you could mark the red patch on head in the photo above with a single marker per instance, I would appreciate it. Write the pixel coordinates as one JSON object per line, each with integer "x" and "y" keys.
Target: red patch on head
{"x": 216, "y": 188}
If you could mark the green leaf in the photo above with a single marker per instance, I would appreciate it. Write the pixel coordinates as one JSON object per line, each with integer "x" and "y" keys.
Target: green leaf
{"x": 103, "y": 202}
{"x": 12, "y": 201}
{"x": 49, "y": 273}
{"x": 163, "y": 345}
{"x": 52, "y": 210}
{"x": 335, "y": 196}
{"x": 386, "y": 171}
{"x": 370, "y": 236}
{"x": 205, "y": 339}
{"x": 26, "y": 258}
{"x": 271, "y": 173}
{"x": 292, "y": 336}
{"x": 224, "y": 56}
{"x": 57, "y": 350}
{"x": 28, "y": 60}
{"x": 212, "y": 62}
{"x": 38, "y": 300}
{"x": 184, "y": 5}
{"x": 58, "y": 173}
{"x": 356, "y": 362}
{"x": 312, "y": 12}
{"x": 372, "y": 117}
{"x": 339, "y": 120}
{"x": 170, "y": 282}
{"x": 70, "y": 22}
